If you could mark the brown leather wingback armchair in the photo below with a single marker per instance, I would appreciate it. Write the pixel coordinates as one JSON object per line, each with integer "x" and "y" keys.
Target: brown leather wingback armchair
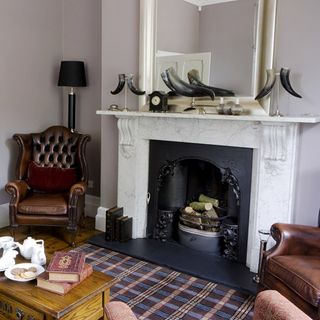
{"x": 292, "y": 266}
{"x": 51, "y": 179}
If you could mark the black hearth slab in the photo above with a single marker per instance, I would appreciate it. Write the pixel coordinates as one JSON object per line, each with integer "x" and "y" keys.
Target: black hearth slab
{"x": 183, "y": 259}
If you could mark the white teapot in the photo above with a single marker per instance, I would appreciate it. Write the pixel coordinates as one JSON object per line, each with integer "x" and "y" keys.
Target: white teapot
{"x": 38, "y": 256}
{"x": 27, "y": 247}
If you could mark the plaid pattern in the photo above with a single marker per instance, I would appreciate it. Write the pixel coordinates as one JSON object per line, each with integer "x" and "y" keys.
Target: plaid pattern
{"x": 159, "y": 293}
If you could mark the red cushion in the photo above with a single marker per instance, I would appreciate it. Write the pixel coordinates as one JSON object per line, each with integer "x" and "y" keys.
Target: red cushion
{"x": 50, "y": 179}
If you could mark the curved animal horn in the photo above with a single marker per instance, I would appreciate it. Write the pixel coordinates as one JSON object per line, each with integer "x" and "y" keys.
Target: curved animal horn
{"x": 166, "y": 80}
{"x": 122, "y": 79}
{"x": 185, "y": 89}
{"x": 285, "y": 81}
{"x": 132, "y": 87}
{"x": 271, "y": 80}
{"x": 194, "y": 78}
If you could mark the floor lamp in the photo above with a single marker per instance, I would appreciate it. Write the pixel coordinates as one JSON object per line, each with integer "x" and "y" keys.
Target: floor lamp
{"x": 72, "y": 74}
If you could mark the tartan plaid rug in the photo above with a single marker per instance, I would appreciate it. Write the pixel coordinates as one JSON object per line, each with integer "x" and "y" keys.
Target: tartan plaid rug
{"x": 157, "y": 293}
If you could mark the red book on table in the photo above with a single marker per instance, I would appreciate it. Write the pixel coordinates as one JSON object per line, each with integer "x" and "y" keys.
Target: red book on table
{"x": 66, "y": 266}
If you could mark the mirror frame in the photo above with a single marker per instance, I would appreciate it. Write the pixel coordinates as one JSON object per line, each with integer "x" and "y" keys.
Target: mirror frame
{"x": 264, "y": 55}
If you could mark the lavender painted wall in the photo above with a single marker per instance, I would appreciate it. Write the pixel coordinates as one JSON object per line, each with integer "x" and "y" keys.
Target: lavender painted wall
{"x": 82, "y": 41}
{"x": 298, "y": 48}
{"x": 227, "y": 30}
{"x": 120, "y": 54}
{"x": 173, "y": 36}
{"x": 30, "y": 38}
{"x": 224, "y": 29}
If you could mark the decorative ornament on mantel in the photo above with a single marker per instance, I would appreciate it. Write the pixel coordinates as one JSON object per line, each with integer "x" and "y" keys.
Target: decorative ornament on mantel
{"x": 272, "y": 76}
{"x": 123, "y": 79}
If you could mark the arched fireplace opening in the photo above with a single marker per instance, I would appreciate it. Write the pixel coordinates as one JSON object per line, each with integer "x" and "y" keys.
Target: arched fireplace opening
{"x": 200, "y": 197}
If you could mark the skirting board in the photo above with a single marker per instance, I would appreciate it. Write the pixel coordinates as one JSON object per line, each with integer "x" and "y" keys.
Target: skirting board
{"x": 92, "y": 205}
{"x": 101, "y": 219}
{"x": 4, "y": 215}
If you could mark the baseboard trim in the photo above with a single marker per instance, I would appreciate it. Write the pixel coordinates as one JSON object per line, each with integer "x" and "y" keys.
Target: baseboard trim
{"x": 4, "y": 215}
{"x": 92, "y": 204}
{"x": 101, "y": 219}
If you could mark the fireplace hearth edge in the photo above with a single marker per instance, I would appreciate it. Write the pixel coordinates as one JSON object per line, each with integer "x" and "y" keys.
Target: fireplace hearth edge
{"x": 170, "y": 255}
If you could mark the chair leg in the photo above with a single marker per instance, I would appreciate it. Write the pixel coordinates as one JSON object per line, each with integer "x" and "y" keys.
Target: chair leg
{"x": 13, "y": 233}
{"x": 73, "y": 238}
{"x": 82, "y": 221}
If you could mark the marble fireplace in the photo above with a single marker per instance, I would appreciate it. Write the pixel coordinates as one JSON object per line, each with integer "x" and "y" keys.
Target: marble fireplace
{"x": 274, "y": 141}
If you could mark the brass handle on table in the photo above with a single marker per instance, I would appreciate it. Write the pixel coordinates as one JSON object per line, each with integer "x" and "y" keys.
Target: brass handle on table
{"x": 19, "y": 314}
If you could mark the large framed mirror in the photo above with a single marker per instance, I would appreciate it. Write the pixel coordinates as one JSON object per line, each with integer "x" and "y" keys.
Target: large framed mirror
{"x": 243, "y": 31}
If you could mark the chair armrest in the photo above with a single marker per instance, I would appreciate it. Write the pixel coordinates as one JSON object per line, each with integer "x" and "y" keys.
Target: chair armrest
{"x": 78, "y": 189}
{"x": 18, "y": 190}
{"x": 293, "y": 239}
{"x": 270, "y": 304}
{"x": 118, "y": 310}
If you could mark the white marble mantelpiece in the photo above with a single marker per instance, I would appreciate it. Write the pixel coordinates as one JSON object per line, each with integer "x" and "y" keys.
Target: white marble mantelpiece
{"x": 274, "y": 141}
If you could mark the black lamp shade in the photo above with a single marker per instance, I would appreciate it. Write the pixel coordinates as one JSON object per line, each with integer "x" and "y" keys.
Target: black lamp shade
{"x": 72, "y": 74}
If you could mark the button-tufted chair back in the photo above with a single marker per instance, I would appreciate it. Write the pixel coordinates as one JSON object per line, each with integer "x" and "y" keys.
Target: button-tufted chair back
{"x": 55, "y": 147}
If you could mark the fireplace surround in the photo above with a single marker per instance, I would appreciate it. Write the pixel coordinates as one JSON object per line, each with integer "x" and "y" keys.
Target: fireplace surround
{"x": 274, "y": 141}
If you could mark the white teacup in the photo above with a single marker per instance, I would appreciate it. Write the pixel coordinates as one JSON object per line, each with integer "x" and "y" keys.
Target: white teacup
{"x": 7, "y": 243}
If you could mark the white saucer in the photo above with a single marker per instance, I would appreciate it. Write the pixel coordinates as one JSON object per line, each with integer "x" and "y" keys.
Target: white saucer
{"x": 11, "y": 276}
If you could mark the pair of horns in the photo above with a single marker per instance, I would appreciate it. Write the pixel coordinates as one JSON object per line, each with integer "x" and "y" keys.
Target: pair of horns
{"x": 195, "y": 88}
{"x": 123, "y": 78}
{"x": 271, "y": 80}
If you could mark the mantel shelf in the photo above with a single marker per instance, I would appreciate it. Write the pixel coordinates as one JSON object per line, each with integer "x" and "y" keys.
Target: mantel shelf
{"x": 212, "y": 116}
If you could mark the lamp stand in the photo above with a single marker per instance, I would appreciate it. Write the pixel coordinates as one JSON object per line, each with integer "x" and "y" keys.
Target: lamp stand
{"x": 71, "y": 110}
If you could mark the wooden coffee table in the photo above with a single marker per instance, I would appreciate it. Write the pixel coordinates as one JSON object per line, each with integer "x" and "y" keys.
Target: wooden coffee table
{"x": 23, "y": 300}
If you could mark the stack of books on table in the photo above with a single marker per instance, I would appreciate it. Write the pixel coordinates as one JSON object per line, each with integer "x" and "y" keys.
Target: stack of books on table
{"x": 65, "y": 271}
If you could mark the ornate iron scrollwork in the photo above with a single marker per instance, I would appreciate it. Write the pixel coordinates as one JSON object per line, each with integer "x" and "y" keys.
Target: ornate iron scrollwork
{"x": 230, "y": 234}
{"x": 228, "y": 177}
{"x": 165, "y": 219}
{"x": 165, "y": 170}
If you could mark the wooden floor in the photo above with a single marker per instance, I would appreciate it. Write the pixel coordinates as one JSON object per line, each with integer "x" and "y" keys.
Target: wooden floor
{"x": 55, "y": 239}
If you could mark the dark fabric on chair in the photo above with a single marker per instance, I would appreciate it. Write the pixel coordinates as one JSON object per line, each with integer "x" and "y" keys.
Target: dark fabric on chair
{"x": 51, "y": 179}
{"x": 292, "y": 266}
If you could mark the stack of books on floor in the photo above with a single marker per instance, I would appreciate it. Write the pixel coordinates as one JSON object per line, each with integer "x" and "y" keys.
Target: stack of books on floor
{"x": 118, "y": 226}
{"x": 65, "y": 271}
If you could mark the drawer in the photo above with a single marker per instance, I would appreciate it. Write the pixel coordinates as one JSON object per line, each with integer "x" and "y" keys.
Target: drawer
{"x": 14, "y": 310}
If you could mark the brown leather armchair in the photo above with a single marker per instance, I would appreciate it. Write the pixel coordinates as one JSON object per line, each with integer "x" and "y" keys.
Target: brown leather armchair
{"x": 292, "y": 266}
{"x": 51, "y": 179}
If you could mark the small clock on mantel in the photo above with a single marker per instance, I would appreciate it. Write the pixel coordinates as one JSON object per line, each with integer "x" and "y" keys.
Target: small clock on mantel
{"x": 158, "y": 101}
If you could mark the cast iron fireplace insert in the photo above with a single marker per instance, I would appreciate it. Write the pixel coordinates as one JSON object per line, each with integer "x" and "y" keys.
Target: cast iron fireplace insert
{"x": 179, "y": 172}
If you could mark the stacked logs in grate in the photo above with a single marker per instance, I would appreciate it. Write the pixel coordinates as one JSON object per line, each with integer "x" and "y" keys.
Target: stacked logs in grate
{"x": 204, "y": 214}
